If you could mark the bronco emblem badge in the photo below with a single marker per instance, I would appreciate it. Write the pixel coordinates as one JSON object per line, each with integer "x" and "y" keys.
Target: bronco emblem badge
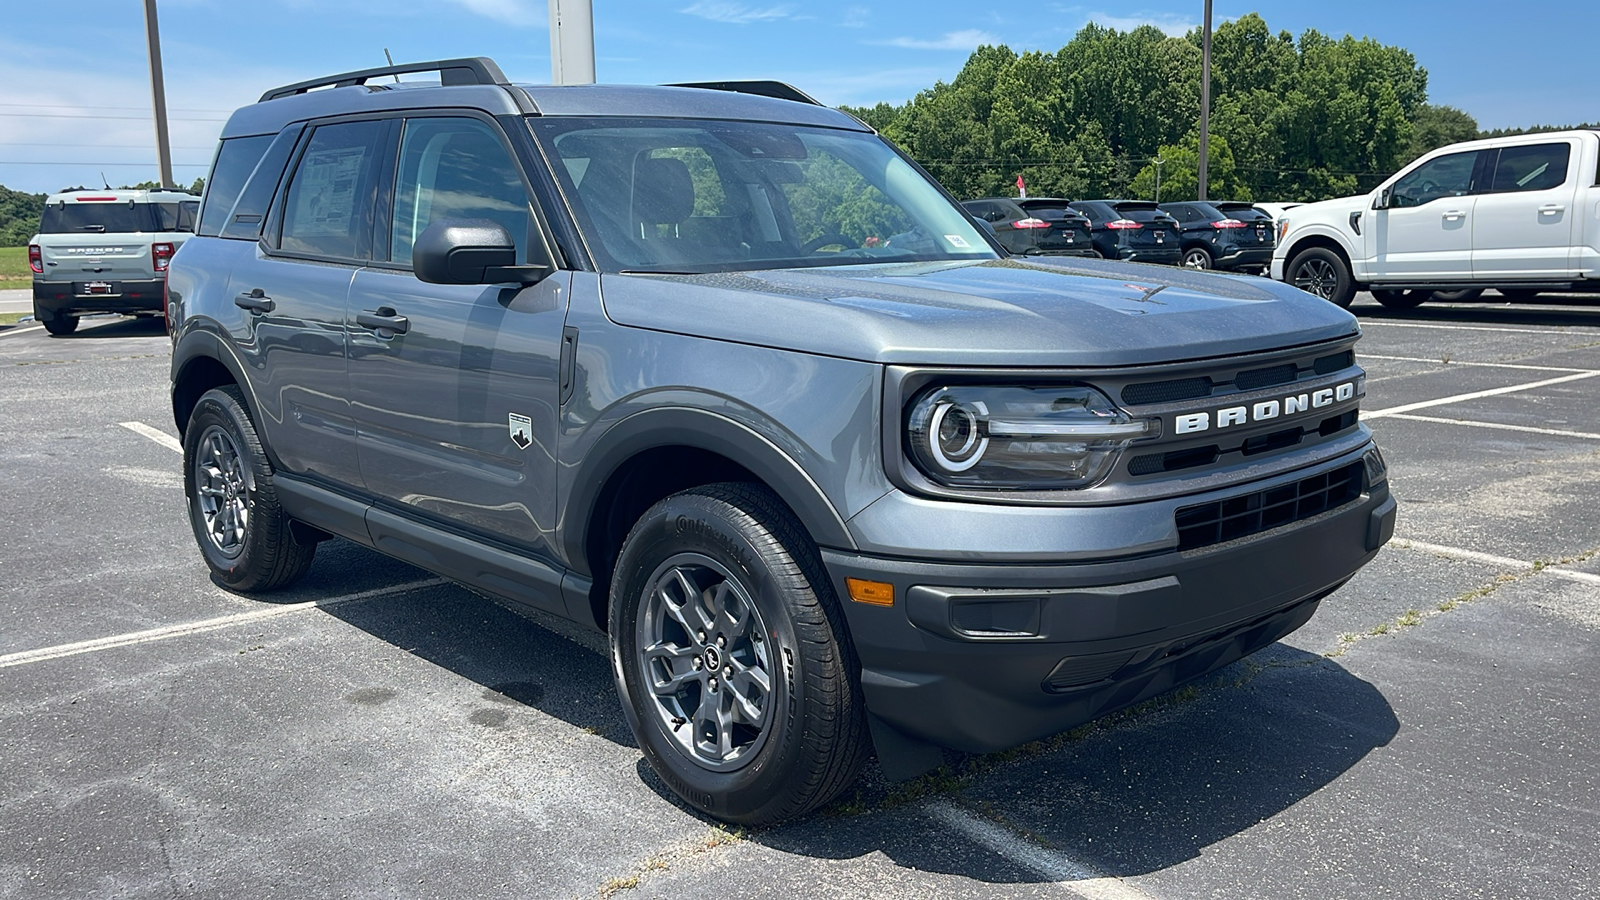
{"x": 521, "y": 428}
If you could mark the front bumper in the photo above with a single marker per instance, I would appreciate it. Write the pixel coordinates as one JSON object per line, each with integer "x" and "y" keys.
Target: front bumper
{"x": 983, "y": 656}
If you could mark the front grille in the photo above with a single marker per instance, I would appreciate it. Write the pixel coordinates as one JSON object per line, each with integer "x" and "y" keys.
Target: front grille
{"x": 1236, "y": 517}
{"x": 1249, "y": 380}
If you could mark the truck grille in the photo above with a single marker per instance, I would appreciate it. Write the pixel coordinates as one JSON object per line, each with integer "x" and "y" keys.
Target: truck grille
{"x": 1225, "y": 520}
{"x": 1252, "y": 379}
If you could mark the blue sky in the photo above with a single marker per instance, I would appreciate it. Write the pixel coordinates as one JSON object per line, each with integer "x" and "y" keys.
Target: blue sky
{"x": 75, "y": 93}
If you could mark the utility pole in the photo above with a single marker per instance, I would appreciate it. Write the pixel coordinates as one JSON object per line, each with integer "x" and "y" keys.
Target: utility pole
{"x": 158, "y": 91}
{"x": 1159, "y": 163}
{"x": 1205, "y": 98}
{"x": 571, "y": 42}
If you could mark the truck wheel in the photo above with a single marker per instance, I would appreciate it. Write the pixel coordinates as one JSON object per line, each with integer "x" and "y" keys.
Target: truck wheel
{"x": 243, "y": 533}
{"x": 1197, "y": 258}
{"x": 1466, "y": 296}
{"x": 59, "y": 325}
{"x": 1402, "y": 299}
{"x": 729, "y": 651}
{"x": 1323, "y": 272}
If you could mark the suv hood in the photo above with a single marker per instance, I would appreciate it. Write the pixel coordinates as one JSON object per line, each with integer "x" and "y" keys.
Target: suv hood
{"x": 1008, "y": 312}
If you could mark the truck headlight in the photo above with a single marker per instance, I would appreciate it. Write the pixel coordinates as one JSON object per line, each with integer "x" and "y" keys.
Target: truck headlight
{"x": 1020, "y": 438}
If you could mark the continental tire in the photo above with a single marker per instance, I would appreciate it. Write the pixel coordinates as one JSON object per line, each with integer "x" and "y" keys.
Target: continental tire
{"x": 242, "y": 531}
{"x": 730, "y": 654}
{"x": 1322, "y": 272}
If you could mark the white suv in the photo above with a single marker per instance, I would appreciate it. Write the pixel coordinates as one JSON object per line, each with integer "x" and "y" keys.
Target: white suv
{"x": 1520, "y": 214}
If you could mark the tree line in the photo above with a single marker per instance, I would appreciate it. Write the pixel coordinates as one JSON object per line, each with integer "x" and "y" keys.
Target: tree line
{"x": 1113, "y": 111}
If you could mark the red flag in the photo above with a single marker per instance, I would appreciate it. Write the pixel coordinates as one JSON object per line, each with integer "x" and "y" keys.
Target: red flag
{"x": 1022, "y": 189}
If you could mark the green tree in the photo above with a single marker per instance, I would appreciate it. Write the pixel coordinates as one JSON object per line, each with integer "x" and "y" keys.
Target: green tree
{"x": 1180, "y": 173}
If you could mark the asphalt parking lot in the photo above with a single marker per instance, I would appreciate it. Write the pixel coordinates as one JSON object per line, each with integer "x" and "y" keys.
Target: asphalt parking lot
{"x": 377, "y": 732}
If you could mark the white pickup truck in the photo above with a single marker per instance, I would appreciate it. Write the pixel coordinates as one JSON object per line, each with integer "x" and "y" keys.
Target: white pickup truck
{"x": 1519, "y": 214}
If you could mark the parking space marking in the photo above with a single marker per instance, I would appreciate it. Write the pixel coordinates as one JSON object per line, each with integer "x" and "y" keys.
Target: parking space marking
{"x": 1529, "y": 428}
{"x": 1438, "y": 362}
{"x": 1475, "y": 395}
{"x": 1080, "y": 879}
{"x": 204, "y": 625}
{"x": 1366, "y": 322}
{"x": 1505, "y": 562}
{"x": 21, "y": 329}
{"x": 154, "y": 434}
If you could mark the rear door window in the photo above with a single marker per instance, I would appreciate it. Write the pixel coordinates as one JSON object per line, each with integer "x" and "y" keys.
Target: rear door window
{"x": 328, "y": 209}
{"x": 1536, "y": 168}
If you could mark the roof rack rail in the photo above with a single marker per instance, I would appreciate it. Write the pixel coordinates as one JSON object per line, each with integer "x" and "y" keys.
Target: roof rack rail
{"x": 473, "y": 70}
{"x": 774, "y": 89}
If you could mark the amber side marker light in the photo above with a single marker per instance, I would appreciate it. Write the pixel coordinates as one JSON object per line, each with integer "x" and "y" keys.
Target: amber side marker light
{"x": 873, "y": 593}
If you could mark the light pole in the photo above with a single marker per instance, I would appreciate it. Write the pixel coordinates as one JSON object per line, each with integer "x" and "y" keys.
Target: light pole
{"x": 158, "y": 91}
{"x": 571, "y": 42}
{"x": 1159, "y": 163}
{"x": 1205, "y": 98}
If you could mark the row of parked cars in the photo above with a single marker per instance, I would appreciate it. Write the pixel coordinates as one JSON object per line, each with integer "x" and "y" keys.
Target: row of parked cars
{"x": 1227, "y": 235}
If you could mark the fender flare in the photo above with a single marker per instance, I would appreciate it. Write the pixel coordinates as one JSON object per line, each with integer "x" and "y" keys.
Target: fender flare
{"x": 197, "y": 343}
{"x": 703, "y": 430}
{"x": 1297, "y": 241}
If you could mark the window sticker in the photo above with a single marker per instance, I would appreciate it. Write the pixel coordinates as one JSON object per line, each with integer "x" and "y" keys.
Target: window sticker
{"x": 957, "y": 240}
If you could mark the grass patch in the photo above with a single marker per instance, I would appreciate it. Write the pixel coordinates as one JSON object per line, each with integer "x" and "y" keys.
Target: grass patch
{"x": 14, "y": 264}
{"x": 12, "y": 318}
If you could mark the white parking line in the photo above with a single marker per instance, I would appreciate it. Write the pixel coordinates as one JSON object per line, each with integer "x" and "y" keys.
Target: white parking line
{"x": 1475, "y": 395}
{"x": 1439, "y": 362}
{"x": 204, "y": 625}
{"x": 1366, "y": 322}
{"x": 154, "y": 434}
{"x": 1529, "y": 428}
{"x": 1504, "y": 562}
{"x": 21, "y": 329}
{"x": 1076, "y": 877}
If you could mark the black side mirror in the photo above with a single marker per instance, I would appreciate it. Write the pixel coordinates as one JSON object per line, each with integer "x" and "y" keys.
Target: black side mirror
{"x": 470, "y": 251}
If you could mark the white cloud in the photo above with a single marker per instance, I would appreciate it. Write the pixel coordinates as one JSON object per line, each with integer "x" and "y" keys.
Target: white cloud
{"x": 966, "y": 39}
{"x": 1171, "y": 25}
{"x": 736, "y": 13}
{"x": 510, "y": 12}
{"x": 856, "y": 17}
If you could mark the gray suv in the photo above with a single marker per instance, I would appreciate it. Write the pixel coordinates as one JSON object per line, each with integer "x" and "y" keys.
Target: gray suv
{"x": 719, "y": 372}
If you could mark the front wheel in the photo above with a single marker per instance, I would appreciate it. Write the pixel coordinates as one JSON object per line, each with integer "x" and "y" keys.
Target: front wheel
{"x": 243, "y": 533}
{"x": 1322, "y": 272}
{"x": 729, "y": 650}
{"x": 1402, "y": 299}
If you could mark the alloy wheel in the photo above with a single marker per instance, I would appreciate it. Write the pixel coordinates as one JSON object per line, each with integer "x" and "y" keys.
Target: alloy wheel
{"x": 1316, "y": 276}
{"x": 222, "y": 492}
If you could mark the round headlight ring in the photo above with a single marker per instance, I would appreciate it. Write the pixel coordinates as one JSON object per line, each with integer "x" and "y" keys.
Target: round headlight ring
{"x": 957, "y": 424}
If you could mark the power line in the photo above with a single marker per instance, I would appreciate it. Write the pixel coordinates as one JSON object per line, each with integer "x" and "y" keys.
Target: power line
{"x": 29, "y": 162}
{"x": 84, "y": 106}
{"x": 97, "y": 117}
{"x": 97, "y": 146}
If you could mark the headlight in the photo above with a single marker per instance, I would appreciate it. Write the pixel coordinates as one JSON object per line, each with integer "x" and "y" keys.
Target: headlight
{"x": 1027, "y": 438}
{"x": 1283, "y": 228}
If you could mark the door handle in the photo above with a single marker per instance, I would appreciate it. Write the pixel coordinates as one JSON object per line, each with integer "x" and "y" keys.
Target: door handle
{"x": 1454, "y": 214}
{"x": 1550, "y": 208}
{"x": 254, "y": 300}
{"x": 383, "y": 318}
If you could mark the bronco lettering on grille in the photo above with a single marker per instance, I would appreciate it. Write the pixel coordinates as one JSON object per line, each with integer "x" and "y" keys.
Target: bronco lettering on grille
{"x": 1264, "y": 410}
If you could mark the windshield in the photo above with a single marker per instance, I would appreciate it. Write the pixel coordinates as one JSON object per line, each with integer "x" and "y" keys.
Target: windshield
{"x": 689, "y": 196}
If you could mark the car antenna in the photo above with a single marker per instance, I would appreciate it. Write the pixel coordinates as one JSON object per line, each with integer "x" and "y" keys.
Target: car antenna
{"x": 104, "y": 181}
{"x": 391, "y": 63}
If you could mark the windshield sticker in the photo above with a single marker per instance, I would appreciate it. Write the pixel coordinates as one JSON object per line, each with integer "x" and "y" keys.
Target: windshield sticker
{"x": 957, "y": 240}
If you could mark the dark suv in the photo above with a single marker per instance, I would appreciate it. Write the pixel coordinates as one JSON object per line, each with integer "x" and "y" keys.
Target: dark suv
{"x": 722, "y": 374}
{"x": 1021, "y": 231}
{"x": 1132, "y": 230}
{"x": 1223, "y": 235}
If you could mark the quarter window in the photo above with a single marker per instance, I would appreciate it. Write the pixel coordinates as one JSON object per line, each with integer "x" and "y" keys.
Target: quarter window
{"x": 1536, "y": 168}
{"x": 1445, "y": 176}
{"x": 455, "y": 169}
{"x": 328, "y": 209}
{"x": 236, "y": 159}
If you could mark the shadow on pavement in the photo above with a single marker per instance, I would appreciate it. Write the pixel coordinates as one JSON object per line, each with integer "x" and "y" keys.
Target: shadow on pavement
{"x": 120, "y": 327}
{"x": 1545, "y": 310}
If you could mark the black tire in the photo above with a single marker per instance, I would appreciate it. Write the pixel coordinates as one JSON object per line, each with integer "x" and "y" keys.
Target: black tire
{"x": 242, "y": 531}
{"x": 1197, "y": 258}
{"x": 739, "y": 543}
{"x": 1322, "y": 272}
{"x": 60, "y": 326}
{"x": 1517, "y": 295}
{"x": 1402, "y": 299}
{"x": 1466, "y": 296}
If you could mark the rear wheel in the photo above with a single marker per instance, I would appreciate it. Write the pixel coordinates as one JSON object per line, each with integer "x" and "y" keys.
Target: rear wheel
{"x": 1322, "y": 272}
{"x": 730, "y": 654}
{"x": 244, "y": 535}
{"x": 57, "y": 324}
{"x": 1465, "y": 296}
{"x": 1402, "y": 299}
{"x": 1197, "y": 258}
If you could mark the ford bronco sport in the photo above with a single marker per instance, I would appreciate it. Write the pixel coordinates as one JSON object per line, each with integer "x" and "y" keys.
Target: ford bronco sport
{"x": 719, "y": 372}
{"x": 105, "y": 251}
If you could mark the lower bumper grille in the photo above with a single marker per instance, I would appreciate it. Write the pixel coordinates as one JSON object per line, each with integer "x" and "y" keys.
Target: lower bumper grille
{"x": 1225, "y": 520}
